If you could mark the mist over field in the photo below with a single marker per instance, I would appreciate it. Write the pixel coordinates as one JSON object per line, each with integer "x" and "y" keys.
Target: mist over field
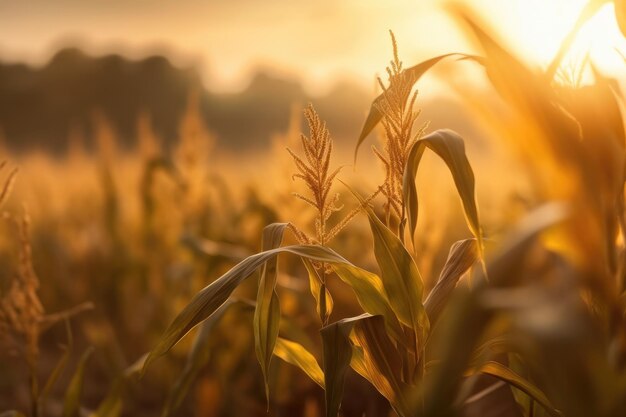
{"x": 41, "y": 107}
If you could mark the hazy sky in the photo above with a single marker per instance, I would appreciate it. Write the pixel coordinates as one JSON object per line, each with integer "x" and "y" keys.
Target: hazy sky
{"x": 317, "y": 40}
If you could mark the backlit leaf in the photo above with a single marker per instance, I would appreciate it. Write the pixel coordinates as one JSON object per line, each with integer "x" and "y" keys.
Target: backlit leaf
{"x": 468, "y": 318}
{"x": 450, "y": 147}
{"x": 415, "y": 73}
{"x": 337, "y": 354}
{"x": 362, "y": 342}
{"x": 370, "y": 293}
{"x": 267, "y": 313}
{"x": 463, "y": 254}
{"x": 505, "y": 374}
{"x": 315, "y": 284}
{"x": 209, "y": 299}
{"x": 295, "y": 354}
{"x": 401, "y": 279}
{"x": 382, "y": 361}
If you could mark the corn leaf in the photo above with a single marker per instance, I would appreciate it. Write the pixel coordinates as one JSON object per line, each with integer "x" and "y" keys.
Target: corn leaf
{"x": 198, "y": 358}
{"x": 267, "y": 313}
{"x": 363, "y": 343}
{"x": 209, "y": 299}
{"x": 382, "y": 361}
{"x": 463, "y": 254}
{"x": 315, "y": 283}
{"x": 505, "y": 374}
{"x": 357, "y": 362}
{"x": 415, "y": 73}
{"x": 295, "y": 354}
{"x": 71, "y": 405}
{"x": 493, "y": 346}
{"x": 337, "y": 354}
{"x": 450, "y": 147}
{"x": 370, "y": 293}
{"x": 468, "y": 317}
{"x": 401, "y": 279}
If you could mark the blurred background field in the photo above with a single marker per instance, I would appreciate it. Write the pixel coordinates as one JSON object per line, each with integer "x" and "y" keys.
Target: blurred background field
{"x": 151, "y": 146}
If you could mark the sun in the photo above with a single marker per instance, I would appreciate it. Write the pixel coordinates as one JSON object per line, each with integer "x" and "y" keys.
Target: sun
{"x": 602, "y": 40}
{"x": 542, "y": 25}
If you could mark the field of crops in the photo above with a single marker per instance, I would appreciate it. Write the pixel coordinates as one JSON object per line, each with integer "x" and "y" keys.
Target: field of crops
{"x": 413, "y": 272}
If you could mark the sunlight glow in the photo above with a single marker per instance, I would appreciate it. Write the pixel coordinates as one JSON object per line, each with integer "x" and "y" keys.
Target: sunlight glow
{"x": 543, "y": 26}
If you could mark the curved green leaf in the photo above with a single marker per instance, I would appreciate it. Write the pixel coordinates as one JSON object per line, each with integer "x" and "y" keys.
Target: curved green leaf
{"x": 209, "y": 299}
{"x": 505, "y": 374}
{"x": 450, "y": 147}
{"x": 295, "y": 354}
{"x": 267, "y": 313}
{"x": 463, "y": 254}
{"x": 415, "y": 73}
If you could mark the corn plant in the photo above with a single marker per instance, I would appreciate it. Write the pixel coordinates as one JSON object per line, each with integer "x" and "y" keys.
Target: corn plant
{"x": 387, "y": 344}
{"x": 545, "y": 312}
